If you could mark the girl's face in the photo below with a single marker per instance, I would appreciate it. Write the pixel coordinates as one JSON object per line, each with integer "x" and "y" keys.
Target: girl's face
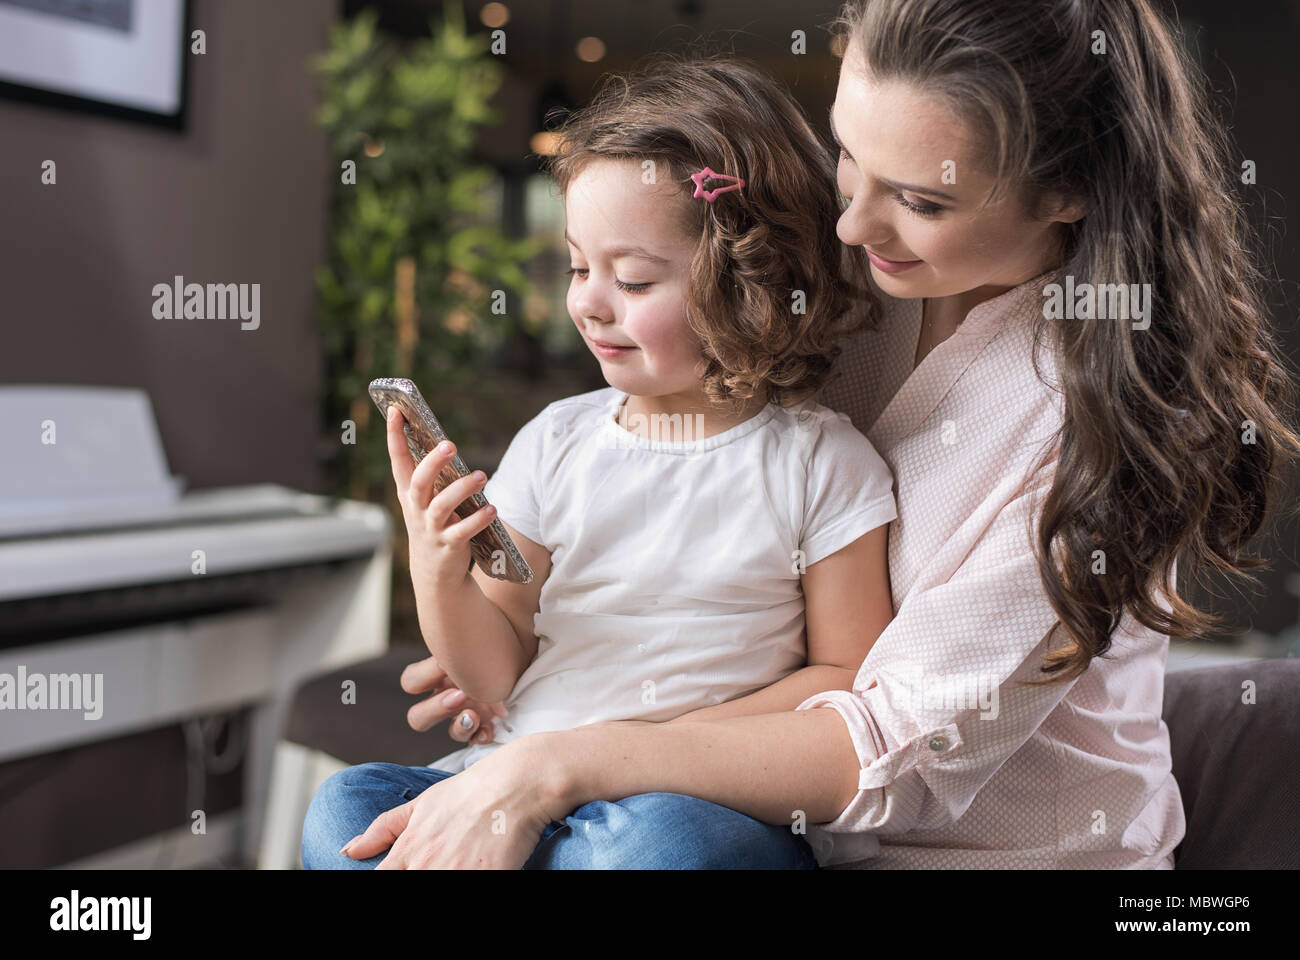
{"x": 907, "y": 167}
{"x": 630, "y": 258}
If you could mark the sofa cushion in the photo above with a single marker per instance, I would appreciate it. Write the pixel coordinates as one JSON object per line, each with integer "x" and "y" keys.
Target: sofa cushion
{"x": 372, "y": 728}
{"x": 1235, "y": 764}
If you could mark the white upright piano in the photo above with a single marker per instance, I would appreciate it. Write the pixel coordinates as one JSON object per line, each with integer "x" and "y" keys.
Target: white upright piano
{"x": 178, "y": 604}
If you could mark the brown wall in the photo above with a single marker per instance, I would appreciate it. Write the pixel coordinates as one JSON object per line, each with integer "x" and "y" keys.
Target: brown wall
{"x": 1249, "y": 54}
{"x": 240, "y": 196}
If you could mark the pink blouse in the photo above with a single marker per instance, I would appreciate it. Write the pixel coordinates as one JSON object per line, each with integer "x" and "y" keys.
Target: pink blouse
{"x": 962, "y": 766}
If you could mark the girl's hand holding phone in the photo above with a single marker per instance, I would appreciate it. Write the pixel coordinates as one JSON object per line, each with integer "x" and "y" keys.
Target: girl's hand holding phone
{"x": 439, "y": 539}
{"x": 467, "y": 617}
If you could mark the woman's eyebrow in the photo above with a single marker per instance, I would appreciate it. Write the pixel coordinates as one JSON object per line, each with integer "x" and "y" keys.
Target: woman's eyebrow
{"x": 834, "y": 136}
{"x": 617, "y": 252}
{"x": 915, "y": 188}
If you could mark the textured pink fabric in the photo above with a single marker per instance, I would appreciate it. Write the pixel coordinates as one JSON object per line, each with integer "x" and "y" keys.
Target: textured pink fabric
{"x": 963, "y": 766}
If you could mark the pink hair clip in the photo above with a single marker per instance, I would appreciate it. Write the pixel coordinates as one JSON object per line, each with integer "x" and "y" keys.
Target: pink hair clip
{"x": 708, "y": 174}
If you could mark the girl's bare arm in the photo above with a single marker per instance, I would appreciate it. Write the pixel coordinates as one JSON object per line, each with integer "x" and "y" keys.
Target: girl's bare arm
{"x": 847, "y": 606}
{"x": 481, "y": 630}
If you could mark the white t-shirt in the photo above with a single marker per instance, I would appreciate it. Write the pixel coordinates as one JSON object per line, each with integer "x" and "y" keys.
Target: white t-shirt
{"x": 674, "y": 580}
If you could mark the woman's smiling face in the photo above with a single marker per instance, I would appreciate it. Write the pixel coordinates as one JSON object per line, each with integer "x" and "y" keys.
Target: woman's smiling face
{"x": 909, "y": 168}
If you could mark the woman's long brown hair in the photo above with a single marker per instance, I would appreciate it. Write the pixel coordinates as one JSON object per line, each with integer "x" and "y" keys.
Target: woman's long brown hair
{"x": 1174, "y": 436}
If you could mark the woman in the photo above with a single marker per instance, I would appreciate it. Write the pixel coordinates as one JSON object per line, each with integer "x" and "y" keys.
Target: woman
{"x": 1074, "y": 385}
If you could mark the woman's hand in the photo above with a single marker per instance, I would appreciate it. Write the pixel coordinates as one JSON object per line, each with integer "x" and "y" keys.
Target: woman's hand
{"x": 425, "y": 676}
{"x": 438, "y": 537}
{"x": 490, "y": 816}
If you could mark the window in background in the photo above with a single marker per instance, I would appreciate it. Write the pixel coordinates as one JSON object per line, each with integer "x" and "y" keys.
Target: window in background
{"x": 544, "y": 218}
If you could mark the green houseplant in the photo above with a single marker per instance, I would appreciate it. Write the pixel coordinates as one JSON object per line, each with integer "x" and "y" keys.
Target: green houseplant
{"x": 419, "y": 282}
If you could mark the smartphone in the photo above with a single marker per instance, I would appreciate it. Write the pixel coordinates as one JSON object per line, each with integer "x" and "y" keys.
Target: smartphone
{"x": 491, "y": 547}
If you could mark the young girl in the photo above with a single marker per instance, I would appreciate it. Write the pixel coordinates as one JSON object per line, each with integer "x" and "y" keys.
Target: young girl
{"x": 707, "y": 540}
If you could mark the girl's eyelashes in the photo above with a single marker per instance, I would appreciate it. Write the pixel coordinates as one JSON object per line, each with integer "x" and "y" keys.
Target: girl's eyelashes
{"x": 626, "y": 287}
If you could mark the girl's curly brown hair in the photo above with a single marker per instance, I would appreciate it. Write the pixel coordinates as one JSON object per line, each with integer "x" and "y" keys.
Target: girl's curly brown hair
{"x": 771, "y": 286}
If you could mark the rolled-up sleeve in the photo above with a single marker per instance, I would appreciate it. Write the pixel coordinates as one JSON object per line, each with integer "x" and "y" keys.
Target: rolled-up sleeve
{"x": 940, "y": 702}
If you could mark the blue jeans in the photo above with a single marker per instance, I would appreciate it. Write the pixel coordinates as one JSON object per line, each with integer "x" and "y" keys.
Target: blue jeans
{"x": 649, "y": 831}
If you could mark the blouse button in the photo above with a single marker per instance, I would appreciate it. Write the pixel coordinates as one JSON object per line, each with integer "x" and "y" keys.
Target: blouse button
{"x": 938, "y": 742}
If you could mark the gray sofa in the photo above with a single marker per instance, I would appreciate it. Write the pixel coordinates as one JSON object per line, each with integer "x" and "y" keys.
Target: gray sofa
{"x": 1235, "y": 763}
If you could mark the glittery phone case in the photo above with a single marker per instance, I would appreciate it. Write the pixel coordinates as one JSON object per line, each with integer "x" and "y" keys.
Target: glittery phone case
{"x": 423, "y": 433}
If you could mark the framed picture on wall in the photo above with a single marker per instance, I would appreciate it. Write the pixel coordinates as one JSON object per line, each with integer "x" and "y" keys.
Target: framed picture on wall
{"x": 121, "y": 58}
